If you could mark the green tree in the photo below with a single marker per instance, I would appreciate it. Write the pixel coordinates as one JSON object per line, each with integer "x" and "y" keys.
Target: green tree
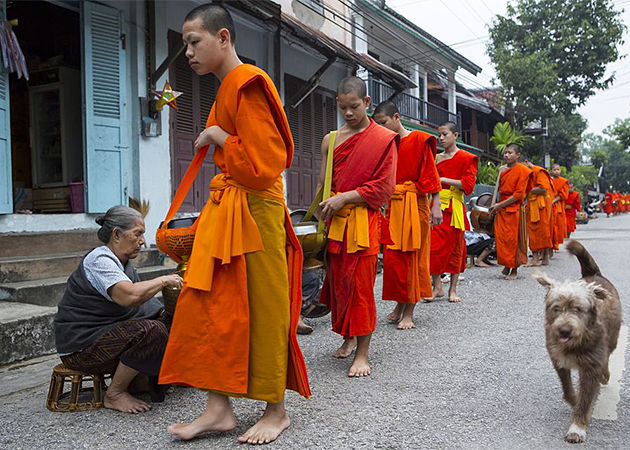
{"x": 620, "y": 130}
{"x": 563, "y": 142}
{"x": 503, "y": 135}
{"x": 583, "y": 177}
{"x": 551, "y": 55}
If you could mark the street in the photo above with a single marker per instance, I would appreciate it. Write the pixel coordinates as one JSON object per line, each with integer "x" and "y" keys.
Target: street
{"x": 471, "y": 375}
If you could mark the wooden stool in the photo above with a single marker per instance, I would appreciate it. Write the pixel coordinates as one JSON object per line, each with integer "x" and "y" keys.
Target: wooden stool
{"x": 58, "y": 400}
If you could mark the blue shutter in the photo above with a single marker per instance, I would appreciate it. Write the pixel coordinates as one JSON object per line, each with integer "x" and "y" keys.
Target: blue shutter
{"x": 104, "y": 83}
{"x": 6, "y": 185}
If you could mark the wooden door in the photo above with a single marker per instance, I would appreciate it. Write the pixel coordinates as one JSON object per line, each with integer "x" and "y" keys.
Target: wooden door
{"x": 187, "y": 122}
{"x": 310, "y": 122}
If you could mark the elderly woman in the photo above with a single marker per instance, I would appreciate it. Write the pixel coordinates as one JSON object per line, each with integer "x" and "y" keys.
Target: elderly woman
{"x": 107, "y": 320}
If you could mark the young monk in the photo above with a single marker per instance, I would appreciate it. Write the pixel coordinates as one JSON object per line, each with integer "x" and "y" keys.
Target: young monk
{"x": 608, "y": 199}
{"x": 539, "y": 214}
{"x": 571, "y": 208}
{"x": 561, "y": 186}
{"x": 406, "y": 273}
{"x": 510, "y": 224}
{"x": 363, "y": 179}
{"x": 458, "y": 171}
{"x": 234, "y": 330}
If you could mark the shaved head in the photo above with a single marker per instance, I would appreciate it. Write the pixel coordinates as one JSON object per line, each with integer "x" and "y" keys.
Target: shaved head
{"x": 213, "y": 18}
{"x": 387, "y": 107}
{"x": 352, "y": 85}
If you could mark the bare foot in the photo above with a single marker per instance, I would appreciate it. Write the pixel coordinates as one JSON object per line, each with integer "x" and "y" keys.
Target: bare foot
{"x": 216, "y": 419}
{"x": 272, "y": 423}
{"x": 360, "y": 367}
{"x": 396, "y": 313}
{"x": 481, "y": 263}
{"x": 346, "y": 348}
{"x": 124, "y": 402}
{"x": 506, "y": 271}
{"x": 512, "y": 276}
{"x": 453, "y": 298}
{"x": 406, "y": 324}
{"x": 303, "y": 327}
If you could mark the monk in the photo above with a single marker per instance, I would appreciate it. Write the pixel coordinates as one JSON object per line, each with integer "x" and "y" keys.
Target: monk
{"x": 561, "y": 186}
{"x": 363, "y": 179}
{"x": 608, "y": 199}
{"x": 406, "y": 273}
{"x": 458, "y": 171}
{"x": 234, "y": 330}
{"x": 539, "y": 215}
{"x": 571, "y": 209}
{"x": 510, "y": 223}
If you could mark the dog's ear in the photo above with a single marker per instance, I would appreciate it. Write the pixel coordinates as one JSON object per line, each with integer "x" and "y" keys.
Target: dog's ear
{"x": 543, "y": 279}
{"x": 600, "y": 293}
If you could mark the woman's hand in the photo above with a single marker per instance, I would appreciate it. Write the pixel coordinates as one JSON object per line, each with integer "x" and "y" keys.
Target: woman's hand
{"x": 172, "y": 281}
{"x": 214, "y": 135}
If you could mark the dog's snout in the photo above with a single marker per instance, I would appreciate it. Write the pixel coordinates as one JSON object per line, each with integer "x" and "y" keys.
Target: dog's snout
{"x": 564, "y": 332}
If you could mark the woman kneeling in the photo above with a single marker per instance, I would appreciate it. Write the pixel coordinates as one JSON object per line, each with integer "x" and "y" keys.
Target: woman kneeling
{"x": 108, "y": 321}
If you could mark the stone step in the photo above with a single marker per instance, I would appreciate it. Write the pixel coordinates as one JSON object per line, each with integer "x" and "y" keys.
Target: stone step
{"x": 38, "y": 267}
{"x": 48, "y": 291}
{"x": 29, "y": 244}
{"x": 26, "y": 331}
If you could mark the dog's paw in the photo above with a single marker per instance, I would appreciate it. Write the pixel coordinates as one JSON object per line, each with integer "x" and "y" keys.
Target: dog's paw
{"x": 575, "y": 435}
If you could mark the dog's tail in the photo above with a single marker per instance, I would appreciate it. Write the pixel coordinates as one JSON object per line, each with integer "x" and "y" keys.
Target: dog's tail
{"x": 587, "y": 263}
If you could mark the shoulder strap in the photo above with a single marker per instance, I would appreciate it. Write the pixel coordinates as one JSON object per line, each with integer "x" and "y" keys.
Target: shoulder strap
{"x": 324, "y": 192}
{"x": 185, "y": 185}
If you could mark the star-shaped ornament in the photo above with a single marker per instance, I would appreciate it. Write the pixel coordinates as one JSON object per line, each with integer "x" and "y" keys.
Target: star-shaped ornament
{"x": 167, "y": 97}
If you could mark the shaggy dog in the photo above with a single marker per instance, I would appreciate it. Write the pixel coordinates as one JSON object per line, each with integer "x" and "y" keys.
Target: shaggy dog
{"x": 582, "y": 321}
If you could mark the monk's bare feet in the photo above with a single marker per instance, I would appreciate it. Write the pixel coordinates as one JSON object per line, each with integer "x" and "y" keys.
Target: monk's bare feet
{"x": 453, "y": 298}
{"x": 272, "y": 423}
{"x": 481, "y": 263}
{"x": 396, "y": 313}
{"x": 218, "y": 416}
{"x": 360, "y": 367}
{"x": 346, "y": 348}
{"x": 506, "y": 271}
{"x": 406, "y": 323}
{"x": 512, "y": 275}
{"x": 124, "y": 402}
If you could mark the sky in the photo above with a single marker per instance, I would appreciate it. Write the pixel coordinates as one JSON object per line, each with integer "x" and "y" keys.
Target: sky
{"x": 463, "y": 24}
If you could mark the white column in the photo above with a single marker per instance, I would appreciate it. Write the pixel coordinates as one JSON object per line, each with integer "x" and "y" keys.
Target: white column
{"x": 452, "y": 101}
{"x": 415, "y": 76}
{"x": 360, "y": 43}
{"x": 425, "y": 93}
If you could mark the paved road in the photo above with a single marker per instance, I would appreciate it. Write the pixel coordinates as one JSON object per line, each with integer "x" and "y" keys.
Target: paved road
{"x": 472, "y": 375}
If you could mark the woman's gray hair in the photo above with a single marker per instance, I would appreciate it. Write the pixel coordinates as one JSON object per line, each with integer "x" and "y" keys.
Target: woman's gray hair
{"x": 121, "y": 217}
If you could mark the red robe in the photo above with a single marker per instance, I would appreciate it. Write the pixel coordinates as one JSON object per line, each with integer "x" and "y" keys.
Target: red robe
{"x": 608, "y": 198}
{"x": 510, "y": 226}
{"x": 406, "y": 274}
{"x": 561, "y": 186}
{"x": 366, "y": 162}
{"x": 448, "y": 248}
{"x": 572, "y": 207}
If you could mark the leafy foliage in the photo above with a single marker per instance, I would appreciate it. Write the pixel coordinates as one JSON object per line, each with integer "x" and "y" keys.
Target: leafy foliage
{"x": 562, "y": 144}
{"x": 610, "y": 154}
{"x": 621, "y": 131}
{"x": 504, "y": 134}
{"x": 583, "y": 177}
{"x": 487, "y": 173}
{"x": 551, "y": 55}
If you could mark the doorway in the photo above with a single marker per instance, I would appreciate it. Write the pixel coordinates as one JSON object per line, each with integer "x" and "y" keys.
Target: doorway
{"x": 46, "y": 119}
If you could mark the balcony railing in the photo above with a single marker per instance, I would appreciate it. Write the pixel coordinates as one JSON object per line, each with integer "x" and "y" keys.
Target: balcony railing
{"x": 412, "y": 107}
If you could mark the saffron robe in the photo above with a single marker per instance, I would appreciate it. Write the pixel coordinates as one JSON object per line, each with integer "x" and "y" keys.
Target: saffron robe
{"x": 608, "y": 198}
{"x": 539, "y": 211}
{"x": 448, "y": 247}
{"x": 406, "y": 274}
{"x": 510, "y": 224}
{"x": 572, "y": 207}
{"x": 365, "y": 162}
{"x": 234, "y": 328}
{"x": 561, "y": 185}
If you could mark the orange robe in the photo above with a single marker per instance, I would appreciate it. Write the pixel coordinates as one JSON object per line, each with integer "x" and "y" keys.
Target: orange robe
{"x": 510, "y": 224}
{"x": 448, "y": 247}
{"x": 572, "y": 207}
{"x": 234, "y": 329}
{"x": 539, "y": 211}
{"x": 366, "y": 162}
{"x": 561, "y": 185}
{"x": 406, "y": 274}
{"x": 608, "y": 203}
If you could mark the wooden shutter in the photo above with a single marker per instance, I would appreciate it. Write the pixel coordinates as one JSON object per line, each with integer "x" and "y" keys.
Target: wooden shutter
{"x": 6, "y": 185}
{"x": 105, "y": 128}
